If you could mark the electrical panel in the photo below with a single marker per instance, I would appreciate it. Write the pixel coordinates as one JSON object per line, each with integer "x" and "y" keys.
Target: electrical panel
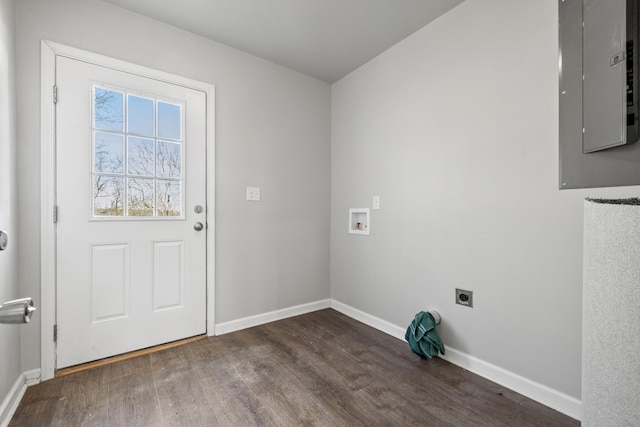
{"x": 609, "y": 79}
{"x": 599, "y": 87}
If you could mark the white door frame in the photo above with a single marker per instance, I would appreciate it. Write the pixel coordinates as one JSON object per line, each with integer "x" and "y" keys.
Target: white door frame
{"x": 49, "y": 51}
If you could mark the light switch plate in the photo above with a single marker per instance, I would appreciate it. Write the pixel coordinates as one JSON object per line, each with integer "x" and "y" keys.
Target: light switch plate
{"x": 376, "y": 202}
{"x": 253, "y": 194}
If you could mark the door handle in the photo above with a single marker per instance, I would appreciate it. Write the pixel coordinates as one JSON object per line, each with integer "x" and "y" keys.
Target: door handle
{"x": 17, "y": 311}
{"x": 198, "y": 226}
{"x": 4, "y": 240}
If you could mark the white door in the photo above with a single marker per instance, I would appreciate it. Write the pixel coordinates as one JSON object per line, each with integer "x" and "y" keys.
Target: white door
{"x": 131, "y": 198}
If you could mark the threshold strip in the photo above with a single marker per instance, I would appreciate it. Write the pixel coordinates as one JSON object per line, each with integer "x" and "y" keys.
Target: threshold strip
{"x": 126, "y": 356}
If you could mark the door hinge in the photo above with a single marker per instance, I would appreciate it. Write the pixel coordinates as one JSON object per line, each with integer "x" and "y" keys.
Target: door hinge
{"x": 55, "y": 214}
{"x": 55, "y": 333}
{"x": 55, "y": 94}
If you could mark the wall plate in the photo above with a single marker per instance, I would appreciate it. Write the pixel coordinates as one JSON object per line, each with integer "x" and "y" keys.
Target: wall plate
{"x": 464, "y": 297}
{"x": 253, "y": 194}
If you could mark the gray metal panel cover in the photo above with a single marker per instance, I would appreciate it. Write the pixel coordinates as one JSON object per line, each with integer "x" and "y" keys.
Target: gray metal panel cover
{"x": 604, "y": 78}
{"x": 613, "y": 167}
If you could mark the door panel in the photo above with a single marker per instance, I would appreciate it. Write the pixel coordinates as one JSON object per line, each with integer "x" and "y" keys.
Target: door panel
{"x": 131, "y": 167}
{"x": 109, "y": 282}
{"x": 168, "y": 280}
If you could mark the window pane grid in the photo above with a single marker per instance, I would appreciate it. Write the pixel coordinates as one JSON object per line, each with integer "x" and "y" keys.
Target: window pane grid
{"x": 137, "y": 168}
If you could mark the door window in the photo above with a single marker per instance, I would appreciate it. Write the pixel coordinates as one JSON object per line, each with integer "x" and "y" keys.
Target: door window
{"x": 138, "y": 152}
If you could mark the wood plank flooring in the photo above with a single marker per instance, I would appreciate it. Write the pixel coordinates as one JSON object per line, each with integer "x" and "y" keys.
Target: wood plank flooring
{"x": 319, "y": 369}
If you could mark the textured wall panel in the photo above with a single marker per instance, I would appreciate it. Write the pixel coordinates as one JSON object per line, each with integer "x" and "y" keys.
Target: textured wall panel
{"x": 611, "y": 315}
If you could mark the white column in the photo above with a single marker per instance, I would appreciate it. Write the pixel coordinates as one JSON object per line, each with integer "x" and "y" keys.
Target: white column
{"x": 611, "y": 314}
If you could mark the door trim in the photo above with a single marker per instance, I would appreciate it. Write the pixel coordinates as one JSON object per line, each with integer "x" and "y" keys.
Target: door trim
{"x": 49, "y": 51}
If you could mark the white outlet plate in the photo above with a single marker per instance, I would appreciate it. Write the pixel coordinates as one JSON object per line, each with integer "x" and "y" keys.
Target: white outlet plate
{"x": 253, "y": 194}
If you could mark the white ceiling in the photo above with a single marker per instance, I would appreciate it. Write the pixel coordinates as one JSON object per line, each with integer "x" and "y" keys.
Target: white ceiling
{"x": 326, "y": 39}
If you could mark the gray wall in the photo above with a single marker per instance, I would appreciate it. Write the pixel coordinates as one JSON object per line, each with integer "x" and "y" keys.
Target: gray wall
{"x": 456, "y": 128}
{"x": 272, "y": 131}
{"x": 10, "y": 368}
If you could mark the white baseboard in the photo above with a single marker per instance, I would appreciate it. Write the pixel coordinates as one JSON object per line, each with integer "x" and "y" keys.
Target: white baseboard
{"x": 12, "y": 400}
{"x": 261, "y": 319}
{"x": 540, "y": 393}
{"x": 375, "y": 322}
{"x": 32, "y": 377}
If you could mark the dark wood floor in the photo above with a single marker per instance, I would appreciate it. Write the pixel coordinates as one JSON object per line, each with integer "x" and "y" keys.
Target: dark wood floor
{"x": 320, "y": 369}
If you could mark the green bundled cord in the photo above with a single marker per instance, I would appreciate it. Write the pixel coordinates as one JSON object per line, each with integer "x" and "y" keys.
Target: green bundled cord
{"x": 423, "y": 337}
